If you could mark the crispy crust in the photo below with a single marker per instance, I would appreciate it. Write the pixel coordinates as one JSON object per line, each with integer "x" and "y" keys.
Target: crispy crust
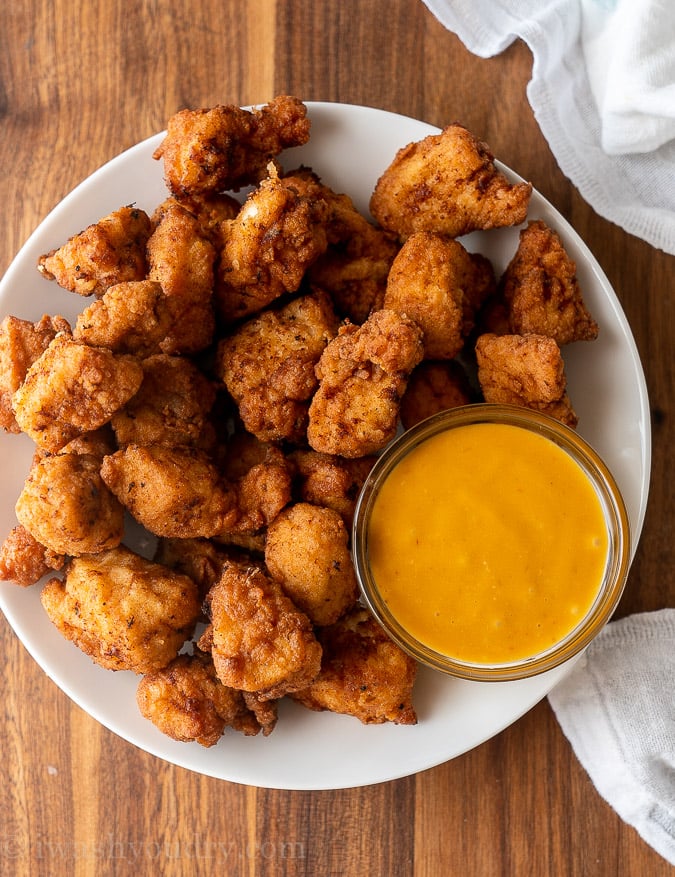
{"x": 447, "y": 183}
{"x": 125, "y": 612}
{"x": 260, "y": 642}
{"x": 541, "y": 289}
{"x": 362, "y": 375}
{"x": 363, "y": 673}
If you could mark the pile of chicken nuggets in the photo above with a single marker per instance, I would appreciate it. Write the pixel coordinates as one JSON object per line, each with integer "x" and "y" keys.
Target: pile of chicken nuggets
{"x": 241, "y": 363}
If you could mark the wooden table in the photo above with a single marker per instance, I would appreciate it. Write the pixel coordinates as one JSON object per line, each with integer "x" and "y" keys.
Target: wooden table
{"x": 78, "y": 84}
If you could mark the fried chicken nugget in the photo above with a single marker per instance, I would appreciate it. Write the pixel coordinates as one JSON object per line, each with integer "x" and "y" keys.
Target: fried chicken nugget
{"x": 260, "y": 642}
{"x": 132, "y": 317}
{"x": 329, "y": 480}
{"x": 226, "y": 147}
{"x": 439, "y": 285}
{"x": 72, "y": 389}
{"x": 363, "y": 673}
{"x": 188, "y": 702}
{"x": 171, "y": 407}
{"x": 108, "y": 252}
{"x": 23, "y": 560}
{"x": 21, "y": 343}
{"x": 125, "y": 612}
{"x": 355, "y": 266}
{"x": 447, "y": 183}
{"x": 434, "y": 387}
{"x": 171, "y": 491}
{"x": 262, "y": 493}
{"x": 67, "y": 508}
{"x": 181, "y": 258}
{"x": 307, "y": 552}
{"x": 268, "y": 365}
{"x": 262, "y": 478}
{"x": 541, "y": 289}
{"x": 525, "y": 370}
{"x": 265, "y": 711}
{"x": 362, "y": 376}
{"x": 97, "y": 443}
{"x": 276, "y": 236}
{"x": 200, "y": 559}
{"x": 213, "y": 211}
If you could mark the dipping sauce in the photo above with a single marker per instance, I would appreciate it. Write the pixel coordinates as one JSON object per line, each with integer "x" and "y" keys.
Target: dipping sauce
{"x": 488, "y": 543}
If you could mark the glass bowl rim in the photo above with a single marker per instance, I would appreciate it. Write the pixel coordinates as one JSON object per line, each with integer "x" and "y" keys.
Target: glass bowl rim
{"x": 608, "y": 492}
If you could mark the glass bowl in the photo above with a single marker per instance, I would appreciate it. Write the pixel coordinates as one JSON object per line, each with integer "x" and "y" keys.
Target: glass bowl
{"x": 577, "y": 635}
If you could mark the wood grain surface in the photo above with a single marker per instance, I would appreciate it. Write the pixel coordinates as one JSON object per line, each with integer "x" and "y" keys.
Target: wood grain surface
{"x": 79, "y": 83}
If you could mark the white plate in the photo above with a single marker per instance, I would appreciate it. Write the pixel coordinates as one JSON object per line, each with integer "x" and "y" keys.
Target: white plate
{"x": 350, "y": 146}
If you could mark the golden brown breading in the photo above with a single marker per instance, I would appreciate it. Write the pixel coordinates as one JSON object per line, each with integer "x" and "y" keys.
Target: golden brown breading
{"x": 447, "y": 183}
{"x": 261, "y": 479}
{"x": 258, "y": 639}
{"x": 171, "y": 491}
{"x": 205, "y": 641}
{"x": 541, "y": 289}
{"x": 439, "y": 285}
{"x": 261, "y": 476}
{"x": 21, "y": 343}
{"x": 330, "y": 481}
{"x": 561, "y": 410}
{"x": 265, "y": 711}
{"x": 171, "y": 406}
{"x": 200, "y": 559}
{"x": 363, "y": 673}
{"x": 73, "y": 388}
{"x": 182, "y": 259}
{"x": 268, "y": 365}
{"x": 262, "y": 492}
{"x": 362, "y": 376}
{"x": 354, "y": 268}
{"x": 525, "y": 370}
{"x": 214, "y": 212}
{"x": 23, "y": 560}
{"x": 226, "y": 147}
{"x": 188, "y": 702}
{"x": 434, "y": 387}
{"x": 125, "y": 612}
{"x": 278, "y": 233}
{"x": 514, "y": 368}
{"x": 110, "y": 251}
{"x": 132, "y": 317}
{"x": 307, "y": 552}
{"x": 66, "y": 506}
{"x": 97, "y": 443}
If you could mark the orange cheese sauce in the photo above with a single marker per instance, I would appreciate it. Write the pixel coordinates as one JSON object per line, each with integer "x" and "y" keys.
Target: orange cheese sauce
{"x": 488, "y": 543}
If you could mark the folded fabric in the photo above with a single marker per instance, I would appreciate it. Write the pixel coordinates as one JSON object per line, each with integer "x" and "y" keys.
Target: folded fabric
{"x": 617, "y": 709}
{"x": 602, "y": 91}
{"x": 629, "y": 48}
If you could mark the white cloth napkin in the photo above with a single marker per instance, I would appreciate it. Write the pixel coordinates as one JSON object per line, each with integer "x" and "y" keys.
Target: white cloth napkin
{"x": 602, "y": 91}
{"x": 617, "y": 709}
